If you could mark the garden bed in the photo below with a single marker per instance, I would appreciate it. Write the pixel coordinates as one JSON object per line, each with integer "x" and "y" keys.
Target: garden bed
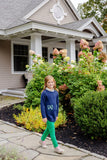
{"x": 69, "y": 133}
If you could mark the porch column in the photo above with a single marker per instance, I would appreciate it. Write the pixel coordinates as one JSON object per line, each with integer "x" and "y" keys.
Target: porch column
{"x": 105, "y": 48}
{"x": 70, "y": 46}
{"x": 36, "y": 44}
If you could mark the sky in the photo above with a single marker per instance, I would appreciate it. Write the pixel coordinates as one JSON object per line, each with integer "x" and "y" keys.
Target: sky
{"x": 76, "y": 2}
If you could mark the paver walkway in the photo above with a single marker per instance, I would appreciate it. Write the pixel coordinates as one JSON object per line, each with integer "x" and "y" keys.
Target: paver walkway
{"x": 27, "y": 145}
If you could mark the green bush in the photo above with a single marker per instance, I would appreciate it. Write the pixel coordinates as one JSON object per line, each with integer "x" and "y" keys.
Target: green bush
{"x": 81, "y": 83}
{"x": 90, "y": 113}
{"x": 78, "y": 77}
{"x": 104, "y": 78}
{"x": 31, "y": 119}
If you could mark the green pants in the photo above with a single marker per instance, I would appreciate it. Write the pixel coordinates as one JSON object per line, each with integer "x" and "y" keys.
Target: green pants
{"x": 50, "y": 129}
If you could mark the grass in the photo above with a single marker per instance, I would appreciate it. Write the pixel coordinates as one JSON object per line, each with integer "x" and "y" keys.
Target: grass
{"x": 8, "y": 100}
{"x": 9, "y": 154}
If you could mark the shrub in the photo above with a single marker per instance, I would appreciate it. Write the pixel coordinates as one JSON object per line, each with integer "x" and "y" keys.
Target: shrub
{"x": 90, "y": 112}
{"x": 78, "y": 77}
{"x": 31, "y": 119}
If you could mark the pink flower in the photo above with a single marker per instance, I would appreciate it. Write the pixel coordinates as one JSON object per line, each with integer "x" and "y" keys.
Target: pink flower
{"x": 100, "y": 86}
{"x": 89, "y": 57}
{"x": 98, "y": 46}
{"x": 102, "y": 57}
{"x": 63, "y": 52}
{"x": 54, "y": 57}
{"x": 63, "y": 87}
{"x": 55, "y": 52}
{"x": 99, "y": 82}
{"x": 84, "y": 44}
{"x": 80, "y": 54}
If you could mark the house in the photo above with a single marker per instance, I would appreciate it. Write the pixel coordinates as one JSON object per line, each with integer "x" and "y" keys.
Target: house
{"x": 40, "y": 25}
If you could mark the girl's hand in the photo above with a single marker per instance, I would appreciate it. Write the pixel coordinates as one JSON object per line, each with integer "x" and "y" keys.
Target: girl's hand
{"x": 56, "y": 118}
{"x": 44, "y": 120}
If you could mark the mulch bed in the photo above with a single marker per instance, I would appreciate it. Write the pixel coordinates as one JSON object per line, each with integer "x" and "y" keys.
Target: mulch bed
{"x": 69, "y": 133}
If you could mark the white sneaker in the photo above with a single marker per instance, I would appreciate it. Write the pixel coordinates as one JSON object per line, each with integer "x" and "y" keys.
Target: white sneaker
{"x": 59, "y": 150}
{"x": 43, "y": 144}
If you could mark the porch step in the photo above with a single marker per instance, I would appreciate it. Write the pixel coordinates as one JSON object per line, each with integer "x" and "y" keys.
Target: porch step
{"x": 14, "y": 93}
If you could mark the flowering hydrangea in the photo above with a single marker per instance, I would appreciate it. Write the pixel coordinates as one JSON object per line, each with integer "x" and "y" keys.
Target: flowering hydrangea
{"x": 31, "y": 52}
{"x": 102, "y": 57}
{"x": 84, "y": 44}
{"x": 100, "y": 86}
{"x": 63, "y": 88}
{"x": 98, "y": 46}
{"x": 66, "y": 59}
{"x": 63, "y": 52}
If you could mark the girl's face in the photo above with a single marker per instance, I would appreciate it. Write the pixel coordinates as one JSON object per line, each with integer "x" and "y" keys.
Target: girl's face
{"x": 50, "y": 84}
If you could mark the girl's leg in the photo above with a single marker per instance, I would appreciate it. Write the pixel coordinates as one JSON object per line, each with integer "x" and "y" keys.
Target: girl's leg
{"x": 45, "y": 134}
{"x": 51, "y": 129}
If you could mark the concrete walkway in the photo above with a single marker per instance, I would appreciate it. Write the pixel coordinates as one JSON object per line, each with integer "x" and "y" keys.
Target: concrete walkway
{"x": 26, "y": 143}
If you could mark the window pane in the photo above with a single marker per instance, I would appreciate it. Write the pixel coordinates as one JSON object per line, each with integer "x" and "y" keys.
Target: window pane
{"x": 20, "y": 57}
{"x": 20, "y": 63}
{"x": 45, "y": 53}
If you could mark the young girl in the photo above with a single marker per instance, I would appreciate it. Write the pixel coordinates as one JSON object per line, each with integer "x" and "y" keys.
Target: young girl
{"x": 49, "y": 110}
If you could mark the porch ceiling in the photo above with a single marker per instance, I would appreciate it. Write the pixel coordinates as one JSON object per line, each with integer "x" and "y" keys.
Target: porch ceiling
{"x": 44, "y": 29}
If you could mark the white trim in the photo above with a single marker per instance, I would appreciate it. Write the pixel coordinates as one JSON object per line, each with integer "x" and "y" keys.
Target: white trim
{"x": 91, "y": 28}
{"x": 103, "y": 39}
{"x": 73, "y": 9}
{"x": 36, "y": 9}
{"x": 60, "y": 30}
{"x": 21, "y": 42}
{"x": 49, "y": 28}
{"x": 21, "y": 28}
{"x": 2, "y": 32}
{"x": 92, "y": 20}
{"x": 53, "y": 10}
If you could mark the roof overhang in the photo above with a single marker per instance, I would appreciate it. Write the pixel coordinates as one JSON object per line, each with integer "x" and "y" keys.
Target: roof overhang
{"x": 43, "y": 28}
{"x": 103, "y": 39}
{"x": 2, "y": 32}
{"x": 95, "y": 23}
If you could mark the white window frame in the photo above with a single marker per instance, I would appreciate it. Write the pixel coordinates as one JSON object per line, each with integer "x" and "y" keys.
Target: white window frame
{"x": 19, "y": 42}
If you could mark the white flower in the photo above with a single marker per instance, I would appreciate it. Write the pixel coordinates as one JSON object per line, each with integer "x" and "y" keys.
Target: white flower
{"x": 81, "y": 59}
{"x": 59, "y": 71}
{"x": 54, "y": 64}
{"x": 27, "y": 66}
{"x": 72, "y": 65}
{"x": 31, "y": 52}
{"x": 39, "y": 56}
{"x": 66, "y": 59}
{"x": 35, "y": 61}
{"x": 41, "y": 61}
{"x": 72, "y": 61}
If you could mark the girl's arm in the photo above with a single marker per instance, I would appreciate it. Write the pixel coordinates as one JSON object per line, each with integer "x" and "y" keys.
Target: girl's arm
{"x": 43, "y": 100}
{"x": 57, "y": 102}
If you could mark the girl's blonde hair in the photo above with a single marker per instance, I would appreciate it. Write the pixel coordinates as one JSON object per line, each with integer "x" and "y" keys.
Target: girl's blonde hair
{"x": 47, "y": 78}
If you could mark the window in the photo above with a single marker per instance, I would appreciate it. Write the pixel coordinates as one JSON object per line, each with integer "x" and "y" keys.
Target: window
{"x": 45, "y": 53}
{"x": 20, "y": 57}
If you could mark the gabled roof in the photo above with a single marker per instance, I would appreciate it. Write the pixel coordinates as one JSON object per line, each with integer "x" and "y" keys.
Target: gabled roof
{"x": 82, "y": 25}
{"x": 13, "y": 12}
{"x": 76, "y": 24}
